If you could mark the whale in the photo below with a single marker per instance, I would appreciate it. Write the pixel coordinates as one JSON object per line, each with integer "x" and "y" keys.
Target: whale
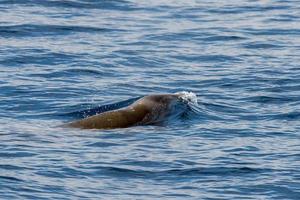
{"x": 152, "y": 109}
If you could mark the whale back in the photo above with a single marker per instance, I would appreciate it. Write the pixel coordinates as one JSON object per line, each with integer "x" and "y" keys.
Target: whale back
{"x": 160, "y": 107}
{"x": 148, "y": 110}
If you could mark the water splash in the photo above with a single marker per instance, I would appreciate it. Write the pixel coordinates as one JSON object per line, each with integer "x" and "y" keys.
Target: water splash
{"x": 188, "y": 97}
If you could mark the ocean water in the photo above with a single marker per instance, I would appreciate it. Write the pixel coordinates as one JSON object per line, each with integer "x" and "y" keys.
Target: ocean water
{"x": 241, "y": 59}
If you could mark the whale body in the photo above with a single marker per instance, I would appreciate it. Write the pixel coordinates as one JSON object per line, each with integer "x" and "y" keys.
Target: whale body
{"x": 148, "y": 110}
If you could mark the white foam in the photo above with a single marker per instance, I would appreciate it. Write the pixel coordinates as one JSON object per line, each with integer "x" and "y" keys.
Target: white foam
{"x": 189, "y": 97}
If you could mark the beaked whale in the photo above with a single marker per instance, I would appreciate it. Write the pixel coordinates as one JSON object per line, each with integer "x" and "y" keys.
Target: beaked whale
{"x": 148, "y": 110}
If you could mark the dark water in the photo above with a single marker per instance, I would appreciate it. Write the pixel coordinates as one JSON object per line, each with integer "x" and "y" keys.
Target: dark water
{"x": 241, "y": 59}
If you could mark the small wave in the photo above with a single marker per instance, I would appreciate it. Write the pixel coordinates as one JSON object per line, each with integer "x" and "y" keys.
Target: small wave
{"x": 189, "y": 172}
{"x": 102, "y": 144}
{"x": 207, "y": 58}
{"x": 270, "y": 32}
{"x": 245, "y": 9}
{"x": 15, "y": 154}
{"x": 43, "y": 58}
{"x": 262, "y": 46}
{"x": 9, "y": 178}
{"x": 104, "y": 4}
{"x": 289, "y": 116}
{"x": 74, "y": 72}
{"x": 269, "y": 100}
{"x": 12, "y": 167}
{"x": 224, "y": 38}
{"x": 33, "y": 30}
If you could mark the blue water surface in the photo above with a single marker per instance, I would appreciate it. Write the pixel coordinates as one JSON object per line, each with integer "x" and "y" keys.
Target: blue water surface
{"x": 241, "y": 59}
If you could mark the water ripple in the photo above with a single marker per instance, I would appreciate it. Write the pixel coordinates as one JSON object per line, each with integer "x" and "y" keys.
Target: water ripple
{"x": 37, "y": 30}
{"x": 66, "y": 60}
